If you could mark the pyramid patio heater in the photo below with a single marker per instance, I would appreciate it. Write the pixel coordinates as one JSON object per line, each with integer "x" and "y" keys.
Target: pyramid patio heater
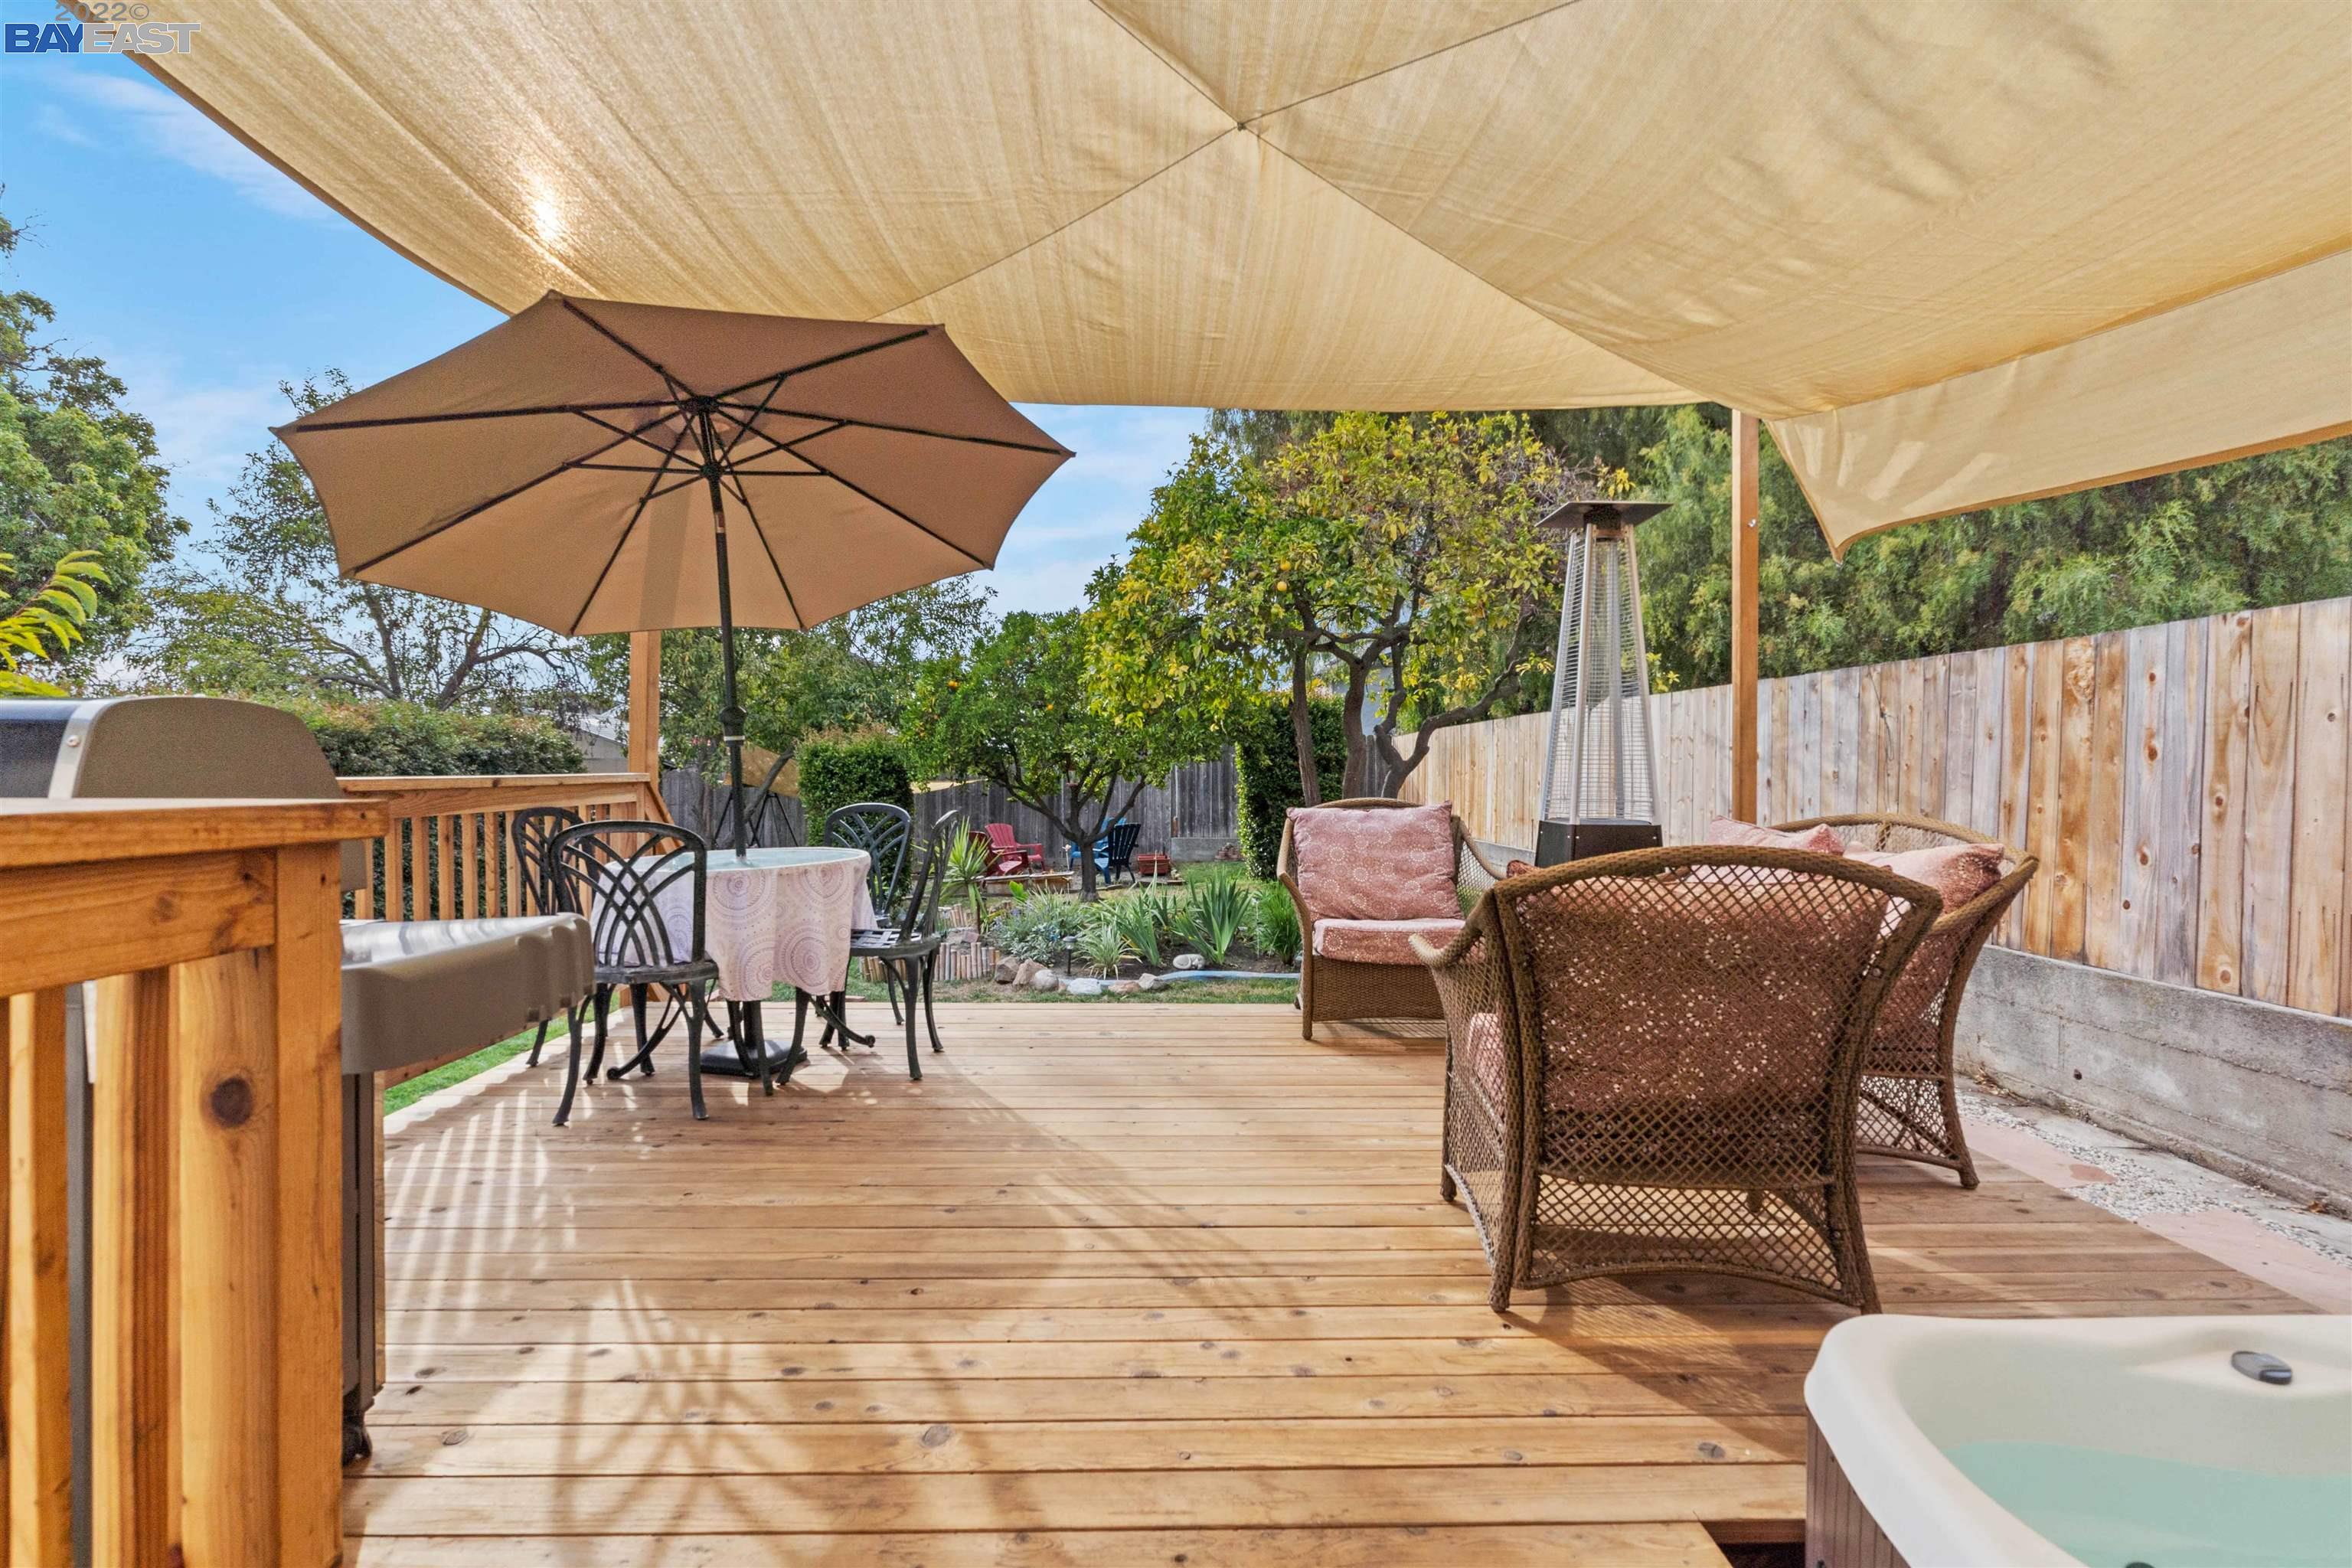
{"x": 1600, "y": 773}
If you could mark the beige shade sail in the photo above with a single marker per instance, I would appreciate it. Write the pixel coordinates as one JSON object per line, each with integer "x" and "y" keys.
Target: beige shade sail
{"x": 560, "y": 467}
{"x": 1954, "y": 251}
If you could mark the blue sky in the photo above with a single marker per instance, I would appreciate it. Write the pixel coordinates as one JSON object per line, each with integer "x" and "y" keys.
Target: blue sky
{"x": 204, "y": 277}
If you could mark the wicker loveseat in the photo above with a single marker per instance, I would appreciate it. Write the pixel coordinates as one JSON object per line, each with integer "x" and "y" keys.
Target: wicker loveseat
{"x": 1385, "y": 979}
{"x": 1652, "y": 1060}
{"x": 1909, "y": 1107}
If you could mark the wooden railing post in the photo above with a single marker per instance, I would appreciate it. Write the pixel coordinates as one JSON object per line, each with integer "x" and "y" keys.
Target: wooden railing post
{"x": 39, "y": 1432}
{"x": 134, "y": 1329}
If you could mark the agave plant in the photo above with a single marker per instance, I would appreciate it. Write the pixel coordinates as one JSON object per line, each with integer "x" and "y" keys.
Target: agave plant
{"x": 967, "y": 884}
{"x": 1213, "y": 916}
{"x": 1102, "y": 943}
{"x": 1142, "y": 917}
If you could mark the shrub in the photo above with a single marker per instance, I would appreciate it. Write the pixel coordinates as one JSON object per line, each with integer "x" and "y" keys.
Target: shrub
{"x": 392, "y": 739}
{"x": 1265, "y": 768}
{"x": 835, "y": 774}
{"x": 1038, "y": 926}
{"x": 1274, "y": 924}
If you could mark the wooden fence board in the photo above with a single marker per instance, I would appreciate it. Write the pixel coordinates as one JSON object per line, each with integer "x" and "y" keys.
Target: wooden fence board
{"x": 2228, "y": 708}
{"x": 2269, "y": 803}
{"x": 2106, "y": 938}
{"x": 2316, "y": 900}
{"x": 2179, "y": 859}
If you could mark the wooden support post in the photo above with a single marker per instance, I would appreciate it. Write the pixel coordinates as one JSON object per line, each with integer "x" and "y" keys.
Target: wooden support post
{"x": 645, "y": 705}
{"x": 1744, "y": 531}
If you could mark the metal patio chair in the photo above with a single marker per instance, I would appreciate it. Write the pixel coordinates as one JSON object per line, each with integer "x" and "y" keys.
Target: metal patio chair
{"x": 615, "y": 873}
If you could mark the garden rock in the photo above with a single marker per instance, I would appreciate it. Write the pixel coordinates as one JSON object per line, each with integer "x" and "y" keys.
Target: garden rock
{"x": 1123, "y": 987}
{"x": 1147, "y": 983}
{"x": 1081, "y": 986}
{"x": 1026, "y": 975}
{"x": 1044, "y": 979}
{"x": 1007, "y": 971}
{"x": 1189, "y": 961}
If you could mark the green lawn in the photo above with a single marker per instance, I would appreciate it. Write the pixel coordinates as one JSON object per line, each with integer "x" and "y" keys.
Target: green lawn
{"x": 402, "y": 1095}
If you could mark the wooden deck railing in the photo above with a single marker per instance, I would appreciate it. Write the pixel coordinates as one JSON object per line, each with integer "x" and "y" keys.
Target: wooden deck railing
{"x": 215, "y": 1351}
{"x": 448, "y": 853}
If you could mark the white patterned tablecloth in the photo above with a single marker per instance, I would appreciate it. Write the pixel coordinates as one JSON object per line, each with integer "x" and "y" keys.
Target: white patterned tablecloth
{"x": 777, "y": 917}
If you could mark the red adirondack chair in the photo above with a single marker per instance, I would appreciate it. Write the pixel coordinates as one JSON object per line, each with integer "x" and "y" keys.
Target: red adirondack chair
{"x": 1011, "y": 855}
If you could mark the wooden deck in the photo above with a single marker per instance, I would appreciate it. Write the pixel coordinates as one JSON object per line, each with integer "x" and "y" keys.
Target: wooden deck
{"x": 1112, "y": 1285}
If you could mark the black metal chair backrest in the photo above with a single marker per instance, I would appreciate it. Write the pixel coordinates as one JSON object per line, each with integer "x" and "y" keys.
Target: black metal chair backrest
{"x": 531, "y": 828}
{"x": 883, "y": 831}
{"x": 617, "y": 874}
{"x": 927, "y": 890}
{"x": 1118, "y": 845}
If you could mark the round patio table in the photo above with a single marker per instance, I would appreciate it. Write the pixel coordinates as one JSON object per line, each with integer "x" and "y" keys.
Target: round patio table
{"x": 774, "y": 917}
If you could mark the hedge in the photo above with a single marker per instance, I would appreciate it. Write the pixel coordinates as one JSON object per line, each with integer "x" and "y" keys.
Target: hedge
{"x": 1265, "y": 769}
{"x": 835, "y": 774}
{"x": 394, "y": 739}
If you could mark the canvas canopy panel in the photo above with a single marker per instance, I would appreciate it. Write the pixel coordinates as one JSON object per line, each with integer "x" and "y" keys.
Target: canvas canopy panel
{"x": 1954, "y": 251}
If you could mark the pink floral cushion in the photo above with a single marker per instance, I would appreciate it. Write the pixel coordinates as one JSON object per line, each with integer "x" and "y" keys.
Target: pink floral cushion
{"x": 1957, "y": 871}
{"x": 1381, "y": 942}
{"x": 1822, "y": 839}
{"x": 1482, "y": 1050}
{"x": 1379, "y": 864}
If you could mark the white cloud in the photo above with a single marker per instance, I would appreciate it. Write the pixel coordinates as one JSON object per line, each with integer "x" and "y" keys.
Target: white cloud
{"x": 170, "y": 128}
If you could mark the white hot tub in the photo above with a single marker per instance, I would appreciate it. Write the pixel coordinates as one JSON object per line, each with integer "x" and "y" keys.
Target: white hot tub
{"x": 2101, "y": 1441}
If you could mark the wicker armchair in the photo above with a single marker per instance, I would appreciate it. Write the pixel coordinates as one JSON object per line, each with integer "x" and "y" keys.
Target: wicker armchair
{"x": 1332, "y": 990}
{"x": 1909, "y": 1107}
{"x": 1651, "y": 1061}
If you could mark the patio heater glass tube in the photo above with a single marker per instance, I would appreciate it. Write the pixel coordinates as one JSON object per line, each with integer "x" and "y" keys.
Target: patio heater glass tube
{"x": 1599, "y": 775}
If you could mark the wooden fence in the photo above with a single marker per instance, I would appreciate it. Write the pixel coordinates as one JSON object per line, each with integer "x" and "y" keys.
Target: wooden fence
{"x": 2184, "y": 784}
{"x": 1196, "y": 800}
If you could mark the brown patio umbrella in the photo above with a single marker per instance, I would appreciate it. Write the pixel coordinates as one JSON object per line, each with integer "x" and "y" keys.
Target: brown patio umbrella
{"x": 596, "y": 467}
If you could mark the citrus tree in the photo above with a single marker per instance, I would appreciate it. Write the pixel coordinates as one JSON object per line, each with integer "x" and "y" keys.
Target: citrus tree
{"x": 1014, "y": 710}
{"x": 1399, "y": 557}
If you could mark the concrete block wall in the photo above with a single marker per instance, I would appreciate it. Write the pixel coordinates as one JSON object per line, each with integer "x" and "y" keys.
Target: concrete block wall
{"x": 2256, "y": 1091}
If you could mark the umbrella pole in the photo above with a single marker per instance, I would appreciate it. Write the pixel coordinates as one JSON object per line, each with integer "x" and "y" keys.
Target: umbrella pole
{"x": 730, "y": 715}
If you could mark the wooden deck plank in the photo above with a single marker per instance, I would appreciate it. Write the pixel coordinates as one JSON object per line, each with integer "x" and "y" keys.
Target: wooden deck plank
{"x": 1110, "y": 1284}
{"x": 1661, "y": 1545}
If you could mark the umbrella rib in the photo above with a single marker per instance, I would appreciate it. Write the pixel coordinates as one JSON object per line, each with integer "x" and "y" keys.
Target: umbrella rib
{"x": 819, "y": 364}
{"x": 839, "y": 420}
{"x": 769, "y": 549}
{"x": 637, "y": 435}
{"x": 621, "y": 543}
{"x": 744, "y": 426}
{"x": 678, "y": 390}
{"x": 302, "y": 428}
{"x": 893, "y": 511}
{"x": 481, "y": 507}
